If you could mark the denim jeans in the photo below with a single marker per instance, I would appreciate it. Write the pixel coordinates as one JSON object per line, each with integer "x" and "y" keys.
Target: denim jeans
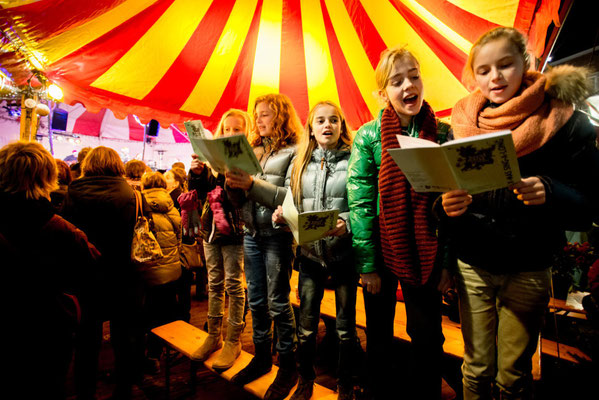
{"x": 501, "y": 319}
{"x": 267, "y": 271}
{"x": 312, "y": 280}
{"x": 225, "y": 273}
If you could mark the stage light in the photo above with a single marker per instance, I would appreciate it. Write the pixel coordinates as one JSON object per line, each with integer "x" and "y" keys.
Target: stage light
{"x": 55, "y": 92}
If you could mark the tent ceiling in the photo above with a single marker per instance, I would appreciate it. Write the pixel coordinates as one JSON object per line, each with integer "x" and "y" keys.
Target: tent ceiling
{"x": 175, "y": 60}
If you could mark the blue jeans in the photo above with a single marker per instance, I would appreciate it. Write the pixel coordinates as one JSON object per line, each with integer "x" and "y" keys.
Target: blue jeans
{"x": 267, "y": 271}
{"x": 312, "y": 280}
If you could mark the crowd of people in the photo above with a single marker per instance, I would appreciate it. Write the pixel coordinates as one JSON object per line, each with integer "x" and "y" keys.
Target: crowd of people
{"x": 496, "y": 247}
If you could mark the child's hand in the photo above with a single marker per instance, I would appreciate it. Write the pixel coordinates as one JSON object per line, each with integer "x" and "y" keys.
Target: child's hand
{"x": 238, "y": 179}
{"x": 456, "y": 202}
{"x": 371, "y": 282}
{"x": 338, "y": 230}
{"x": 196, "y": 165}
{"x": 446, "y": 281}
{"x": 277, "y": 216}
{"x": 530, "y": 190}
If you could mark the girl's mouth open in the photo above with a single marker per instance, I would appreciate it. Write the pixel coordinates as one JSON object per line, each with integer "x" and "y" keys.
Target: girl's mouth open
{"x": 410, "y": 100}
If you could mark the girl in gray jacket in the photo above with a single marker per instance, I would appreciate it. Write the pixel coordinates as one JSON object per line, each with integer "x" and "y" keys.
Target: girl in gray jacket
{"x": 318, "y": 182}
{"x": 267, "y": 251}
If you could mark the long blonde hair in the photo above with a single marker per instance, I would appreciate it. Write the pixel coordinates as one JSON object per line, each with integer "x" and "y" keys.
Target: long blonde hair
{"x": 287, "y": 126}
{"x": 308, "y": 143}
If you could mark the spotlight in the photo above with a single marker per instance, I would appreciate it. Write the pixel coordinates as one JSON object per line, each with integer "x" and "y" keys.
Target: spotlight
{"x": 55, "y": 92}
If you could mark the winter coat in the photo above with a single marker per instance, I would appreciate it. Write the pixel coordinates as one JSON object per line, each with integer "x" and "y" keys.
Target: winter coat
{"x": 363, "y": 192}
{"x": 43, "y": 257}
{"x": 324, "y": 188}
{"x": 204, "y": 183}
{"x": 104, "y": 208}
{"x": 167, "y": 228}
{"x": 267, "y": 191}
{"x": 500, "y": 234}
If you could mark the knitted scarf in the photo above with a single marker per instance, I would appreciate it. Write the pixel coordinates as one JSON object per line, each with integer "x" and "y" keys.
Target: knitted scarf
{"x": 408, "y": 242}
{"x": 531, "y": 115}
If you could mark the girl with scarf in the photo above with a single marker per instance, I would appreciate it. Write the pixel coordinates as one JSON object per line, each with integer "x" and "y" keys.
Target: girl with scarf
{"x": 267, "y": 251}
{"x": 318, "y": 182}
{"x": 505, "y": 239}
{"x": 222, "y": 234}
{"x": 389, "y": 218}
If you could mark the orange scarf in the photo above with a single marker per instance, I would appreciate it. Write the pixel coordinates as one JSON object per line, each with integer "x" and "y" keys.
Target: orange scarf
{"x": 531, "y": 115}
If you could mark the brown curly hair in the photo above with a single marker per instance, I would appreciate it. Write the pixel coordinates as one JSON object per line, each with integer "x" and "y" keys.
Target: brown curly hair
{"x": 287, "y": 126}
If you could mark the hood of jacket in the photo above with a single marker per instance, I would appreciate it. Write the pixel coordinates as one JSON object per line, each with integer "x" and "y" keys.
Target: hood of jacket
{"x": 159, "y": 200}
{"x": 567, "y": 83}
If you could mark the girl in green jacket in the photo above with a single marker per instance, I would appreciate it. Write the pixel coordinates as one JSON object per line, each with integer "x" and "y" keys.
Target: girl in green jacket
{"x": 393, "y": 230}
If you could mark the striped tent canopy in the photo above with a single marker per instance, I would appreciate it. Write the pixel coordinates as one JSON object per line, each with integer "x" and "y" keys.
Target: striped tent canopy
{"x": 176, "y": 60}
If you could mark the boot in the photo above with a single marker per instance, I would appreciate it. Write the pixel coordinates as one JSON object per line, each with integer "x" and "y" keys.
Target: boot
{"x": 213, "y": 342}
{"x": 285, "y": 380}
{"x": 260, "y": 365}
{"x": 231, "y": 350}
{"x": 304, "y": 390}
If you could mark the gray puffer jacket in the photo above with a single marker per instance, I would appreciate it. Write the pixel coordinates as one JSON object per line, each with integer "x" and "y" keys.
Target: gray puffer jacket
{"x": 267, "y": 191}
{"x": 324, "y": 187}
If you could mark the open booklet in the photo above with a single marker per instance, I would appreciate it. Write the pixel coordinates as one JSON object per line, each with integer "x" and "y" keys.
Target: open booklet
{"x": 477, "y": 163}
{"x": 223, "y": 153}
{"x": 307, "y": 226}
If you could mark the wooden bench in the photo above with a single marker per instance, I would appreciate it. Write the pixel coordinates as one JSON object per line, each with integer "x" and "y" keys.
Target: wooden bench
{"x": 454, "y": 342}
{"x": 186, "y": 338}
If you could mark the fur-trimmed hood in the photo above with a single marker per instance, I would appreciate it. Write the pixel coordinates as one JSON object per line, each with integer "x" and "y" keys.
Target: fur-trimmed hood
{"x": 567, "y": 83}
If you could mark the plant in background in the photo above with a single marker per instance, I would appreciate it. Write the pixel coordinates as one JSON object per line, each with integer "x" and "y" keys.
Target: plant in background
{"x": 571, "y": 265}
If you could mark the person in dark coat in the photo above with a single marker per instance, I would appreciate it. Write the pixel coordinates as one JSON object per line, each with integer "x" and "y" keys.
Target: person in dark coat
{"x": 49, "y": 261}
{"x": 103, "y": 205}
{"x": 64, "y": 179}
{"x": 505, "y": 239}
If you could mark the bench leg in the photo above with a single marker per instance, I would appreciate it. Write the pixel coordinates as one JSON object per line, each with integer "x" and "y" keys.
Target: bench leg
{"x": 167, "y": 372}
{"x": 193, "y": 373}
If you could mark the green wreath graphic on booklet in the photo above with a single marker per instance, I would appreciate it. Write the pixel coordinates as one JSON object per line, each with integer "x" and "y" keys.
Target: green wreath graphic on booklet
{"x": 478, "y": 163}
{"x": 223, "y": 153}
{"x": 307, "y": 226}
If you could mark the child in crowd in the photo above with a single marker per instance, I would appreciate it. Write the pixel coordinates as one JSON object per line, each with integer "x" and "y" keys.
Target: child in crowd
{"x": 176, "y": 183}
{"x": 222, "y": 233}
{"x": 505, "y": 239}
{"x": 318, "y": 182}
{"x": 161, "y": 279}
{"x": 403, "y": 231}
{"x": 268, "y": 254}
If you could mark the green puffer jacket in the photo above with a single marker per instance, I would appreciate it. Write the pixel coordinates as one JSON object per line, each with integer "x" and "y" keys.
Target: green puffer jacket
{"x": 363, "y": 192}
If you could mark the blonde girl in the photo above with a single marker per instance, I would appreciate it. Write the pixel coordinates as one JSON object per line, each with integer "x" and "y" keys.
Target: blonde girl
{"x": 222, "y": 235}
{"x": 505, "y": 239}
{"x": 268, "y": 255}
{"x": 389, "y": 218}
{"x": 318, "y": 182}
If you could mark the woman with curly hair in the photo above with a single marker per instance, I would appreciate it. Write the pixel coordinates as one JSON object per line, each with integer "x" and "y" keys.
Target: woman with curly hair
{"x": 268, "y": 254}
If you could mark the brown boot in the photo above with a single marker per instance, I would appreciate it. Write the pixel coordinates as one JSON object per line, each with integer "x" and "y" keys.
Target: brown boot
{"x": 231, "y": 350}
{"x": 213, "y": 342}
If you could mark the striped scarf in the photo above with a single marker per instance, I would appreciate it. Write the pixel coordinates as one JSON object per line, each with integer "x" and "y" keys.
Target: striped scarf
{"x": 408, "y": 240}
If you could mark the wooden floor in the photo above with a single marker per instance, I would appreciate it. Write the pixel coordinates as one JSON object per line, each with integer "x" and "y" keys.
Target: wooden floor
{"x": 560, "y": 379}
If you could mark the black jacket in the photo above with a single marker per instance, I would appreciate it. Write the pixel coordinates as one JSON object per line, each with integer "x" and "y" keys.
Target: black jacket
{"x": 500, "y": 234}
